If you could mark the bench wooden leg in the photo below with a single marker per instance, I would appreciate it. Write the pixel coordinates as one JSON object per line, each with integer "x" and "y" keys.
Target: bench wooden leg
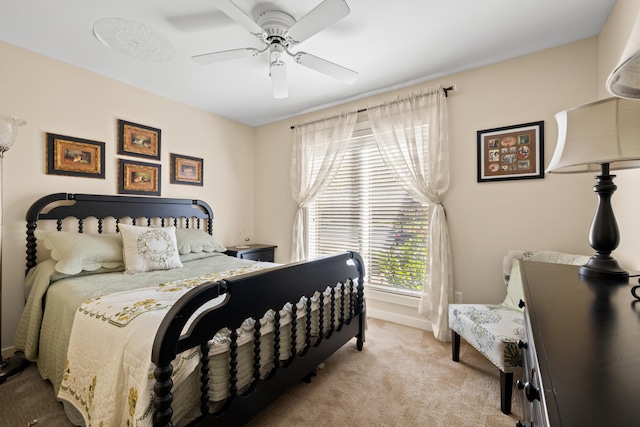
{"x": 455, "y": 346}
{"x": 506, "y": 388}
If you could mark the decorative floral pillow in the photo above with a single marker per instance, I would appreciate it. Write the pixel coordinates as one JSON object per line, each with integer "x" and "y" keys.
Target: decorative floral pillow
{"x": 149, "y": 248}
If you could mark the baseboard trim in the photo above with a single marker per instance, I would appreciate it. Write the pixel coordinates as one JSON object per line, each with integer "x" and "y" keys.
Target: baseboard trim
{"x": 8, "y": 352}
{"x": 400, "y": 319}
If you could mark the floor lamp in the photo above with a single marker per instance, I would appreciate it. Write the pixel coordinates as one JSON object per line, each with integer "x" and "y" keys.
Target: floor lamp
{"x": 8, "y": 129}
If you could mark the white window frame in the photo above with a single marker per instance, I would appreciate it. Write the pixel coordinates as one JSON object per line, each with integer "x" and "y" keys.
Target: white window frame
{"x": 383, "y": 291}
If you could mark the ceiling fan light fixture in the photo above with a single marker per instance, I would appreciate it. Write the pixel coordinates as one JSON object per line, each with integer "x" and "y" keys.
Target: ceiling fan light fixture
{"x": 279, "y": 80}
{"x": 275, "y": 52}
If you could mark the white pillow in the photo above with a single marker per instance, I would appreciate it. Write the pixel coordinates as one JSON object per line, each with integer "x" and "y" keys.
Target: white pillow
{"x": 76, "y": 252}
{"x": 507, "y": 262}
{"x": 560, "y": 258}
{"x": 149, "y": 248}
{"x": 514, "y": 288}
{"x": 196, "y": 240}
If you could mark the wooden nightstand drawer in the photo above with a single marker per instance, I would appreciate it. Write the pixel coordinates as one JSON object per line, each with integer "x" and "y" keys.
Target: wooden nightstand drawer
{"x": 255, "y": 252}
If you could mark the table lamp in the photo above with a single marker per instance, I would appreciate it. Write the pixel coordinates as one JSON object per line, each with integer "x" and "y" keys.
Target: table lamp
{"x": 600, "y": 137}
{"x": 624, "y": 80}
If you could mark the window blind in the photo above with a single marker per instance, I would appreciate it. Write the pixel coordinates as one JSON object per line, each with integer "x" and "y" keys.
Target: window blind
{"x": 364, "y": 209}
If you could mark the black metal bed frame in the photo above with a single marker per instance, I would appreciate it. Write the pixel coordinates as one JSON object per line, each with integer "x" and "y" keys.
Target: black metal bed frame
{"x": 246, "y": 296}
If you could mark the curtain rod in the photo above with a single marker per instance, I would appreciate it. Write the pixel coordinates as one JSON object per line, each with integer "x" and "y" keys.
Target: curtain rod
{"x": 446, "y": 91}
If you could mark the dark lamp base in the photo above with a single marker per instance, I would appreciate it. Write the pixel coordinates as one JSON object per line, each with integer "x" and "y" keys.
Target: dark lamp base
{"x": 604, "y": 267}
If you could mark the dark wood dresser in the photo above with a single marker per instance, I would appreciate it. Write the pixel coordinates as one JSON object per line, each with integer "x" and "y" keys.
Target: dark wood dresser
{"x": 582, "y": 355}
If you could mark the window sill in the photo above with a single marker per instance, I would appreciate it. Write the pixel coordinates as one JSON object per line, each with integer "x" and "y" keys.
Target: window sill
{"x": 393, "y": 296}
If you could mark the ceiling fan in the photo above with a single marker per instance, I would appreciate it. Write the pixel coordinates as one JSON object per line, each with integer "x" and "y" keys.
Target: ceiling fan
{"x": 279, "y": 32}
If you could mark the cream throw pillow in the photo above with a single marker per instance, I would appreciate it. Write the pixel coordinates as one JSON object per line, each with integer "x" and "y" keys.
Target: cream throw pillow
{"x": 76, "y": 252}
{"x": 149, "y": 248}
{"x": 196, "y": 240}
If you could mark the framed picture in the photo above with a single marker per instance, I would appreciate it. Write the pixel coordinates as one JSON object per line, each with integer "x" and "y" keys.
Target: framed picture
{"x": 186, "y": 170}
{"x": 138, "y": 178}
{"x": 511, "y": 152}
{"x": 71, "y": 156}
{"x": 138, "y": 140}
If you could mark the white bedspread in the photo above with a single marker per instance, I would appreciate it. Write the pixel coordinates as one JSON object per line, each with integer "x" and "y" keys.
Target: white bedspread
{"x": 108, "y": 375}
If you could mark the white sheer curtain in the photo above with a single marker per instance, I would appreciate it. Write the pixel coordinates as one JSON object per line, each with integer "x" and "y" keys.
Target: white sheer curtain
{"x": 318, "y": 150}
{"x": 412, "y": 136}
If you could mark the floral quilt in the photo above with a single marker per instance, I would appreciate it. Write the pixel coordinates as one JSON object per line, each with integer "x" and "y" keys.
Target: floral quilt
{"x": 108, "y": 376}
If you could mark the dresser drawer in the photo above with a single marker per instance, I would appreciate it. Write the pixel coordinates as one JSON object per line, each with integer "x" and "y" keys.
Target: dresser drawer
{"x": 266, "y": 255}
{"x": 254, "y": 252}
{"x": 530, "y": 383}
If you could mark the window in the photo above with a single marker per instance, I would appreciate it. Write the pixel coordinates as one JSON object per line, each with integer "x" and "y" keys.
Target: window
{"x": 364, "y": 209}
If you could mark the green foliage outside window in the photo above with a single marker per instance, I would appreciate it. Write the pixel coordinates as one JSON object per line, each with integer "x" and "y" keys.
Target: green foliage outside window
{"x": 404, "y": 264}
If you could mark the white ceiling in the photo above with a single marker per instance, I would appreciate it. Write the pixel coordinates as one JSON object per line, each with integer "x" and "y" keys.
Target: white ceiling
{"x": 391, "y": 43}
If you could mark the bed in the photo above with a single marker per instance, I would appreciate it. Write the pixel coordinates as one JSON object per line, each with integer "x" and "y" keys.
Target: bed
{"x": 137, "y": 317}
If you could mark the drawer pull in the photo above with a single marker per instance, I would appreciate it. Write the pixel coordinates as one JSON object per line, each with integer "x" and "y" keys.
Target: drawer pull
{"x": 530, "y": 392}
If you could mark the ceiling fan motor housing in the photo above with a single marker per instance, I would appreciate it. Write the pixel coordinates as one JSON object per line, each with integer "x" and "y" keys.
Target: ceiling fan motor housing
{"x": 276, "y": 25}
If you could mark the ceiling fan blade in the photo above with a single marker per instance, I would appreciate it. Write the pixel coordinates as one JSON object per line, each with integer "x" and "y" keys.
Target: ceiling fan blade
{"x": 326, "y": 13}
{"x": 329, "y": 68}
{"x": 225, "y": 55}
{"x": 235, "y": 13}
{"x": 279, "y": 79}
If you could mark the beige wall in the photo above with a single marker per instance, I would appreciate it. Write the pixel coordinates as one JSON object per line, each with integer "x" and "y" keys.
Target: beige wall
{"x": 485, "y": 219}
{"x": 58, "y": 98}
{"x": 247, "y": 170}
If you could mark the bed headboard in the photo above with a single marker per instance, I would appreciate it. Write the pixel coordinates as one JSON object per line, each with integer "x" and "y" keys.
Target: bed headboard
{"x": 61, "y": 206}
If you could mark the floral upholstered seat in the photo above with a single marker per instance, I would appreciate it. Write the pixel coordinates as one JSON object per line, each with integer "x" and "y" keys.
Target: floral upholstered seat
{"x": 495, "y": 329}
{"x": 492, "y": 329}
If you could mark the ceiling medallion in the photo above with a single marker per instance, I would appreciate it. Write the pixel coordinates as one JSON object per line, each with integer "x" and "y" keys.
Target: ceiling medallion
{"x": 134, "y": 39}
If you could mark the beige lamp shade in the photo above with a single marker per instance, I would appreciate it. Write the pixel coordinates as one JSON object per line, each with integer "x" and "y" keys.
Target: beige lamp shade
{"x": 624, "y": 80}
{"x": 606, "y": 131}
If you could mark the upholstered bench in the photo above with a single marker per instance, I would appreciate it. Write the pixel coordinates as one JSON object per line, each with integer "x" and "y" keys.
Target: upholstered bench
{"x": 495, "y": 329}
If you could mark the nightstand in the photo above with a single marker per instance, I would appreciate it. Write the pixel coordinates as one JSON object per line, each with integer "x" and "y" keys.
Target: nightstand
{"x": 255, "y": 252}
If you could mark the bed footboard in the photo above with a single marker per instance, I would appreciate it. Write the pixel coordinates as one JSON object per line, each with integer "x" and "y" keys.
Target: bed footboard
{"x": 337, "y": 282}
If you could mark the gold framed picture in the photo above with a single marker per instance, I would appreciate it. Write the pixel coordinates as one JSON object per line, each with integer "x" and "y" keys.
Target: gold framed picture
{"x": 186, "y": 170}
{"x": 138, "y": 140}
{"x": 71, "y": 156}
{"x": 138, "y": 178}
{"x": 511, "y": 152}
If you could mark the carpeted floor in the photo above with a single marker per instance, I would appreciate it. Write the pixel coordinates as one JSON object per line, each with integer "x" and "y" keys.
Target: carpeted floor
{"x": 403, "y": 377}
